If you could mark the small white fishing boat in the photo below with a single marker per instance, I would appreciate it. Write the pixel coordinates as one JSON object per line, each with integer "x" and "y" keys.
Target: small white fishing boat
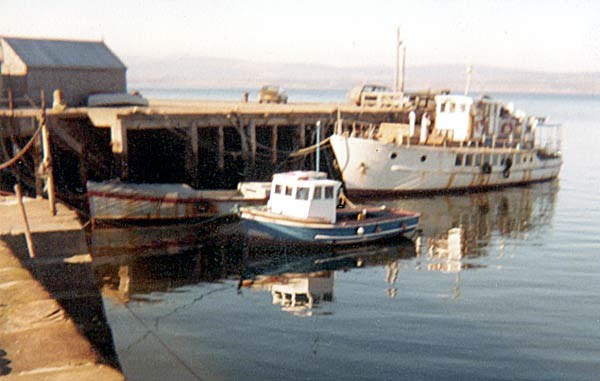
{"x": 466, "y": 145}
{"x": 303, "y": 208}
{"x": 116, "y": 202}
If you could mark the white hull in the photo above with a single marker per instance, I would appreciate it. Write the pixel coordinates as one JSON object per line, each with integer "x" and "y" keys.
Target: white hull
{"x": 371, "y": 166}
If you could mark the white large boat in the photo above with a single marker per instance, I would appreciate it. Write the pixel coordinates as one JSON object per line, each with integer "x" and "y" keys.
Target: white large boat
{"x": 465, "y": 145}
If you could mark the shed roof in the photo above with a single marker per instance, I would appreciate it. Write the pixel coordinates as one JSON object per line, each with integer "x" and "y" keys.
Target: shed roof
{"x": 64, "y": 53}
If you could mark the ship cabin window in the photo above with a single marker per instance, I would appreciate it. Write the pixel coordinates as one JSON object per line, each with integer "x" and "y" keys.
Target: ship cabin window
{"x": 494, "y": 160}
{"x": 302, "y": 193}
{"x": 452, "y": 107}
{"x": 277, "y": 189}
{"x": 477, "y": 160}
{"x": 318, "y": 191}
{"x": 459, "y": 159}
{"x": 328, "y": 192}
{"x": 288, "y": 190}
{"x": 487, "y": 158}
{"x": 468, "y": 159}
{"x": 463, "y": 107}
{"x": 517, "y": 159}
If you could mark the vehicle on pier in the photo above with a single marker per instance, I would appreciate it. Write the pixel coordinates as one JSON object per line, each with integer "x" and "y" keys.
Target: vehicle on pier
{"x": 272, "y": 94}
{"x": 465, "y": 145}
{"x": 303, "y": 209}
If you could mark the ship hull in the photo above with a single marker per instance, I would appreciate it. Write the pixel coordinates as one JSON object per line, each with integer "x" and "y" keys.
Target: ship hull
{"x": 369, "y": 166}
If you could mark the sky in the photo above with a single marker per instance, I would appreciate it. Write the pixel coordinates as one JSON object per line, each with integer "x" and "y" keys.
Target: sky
{"x": 550, "y": 36}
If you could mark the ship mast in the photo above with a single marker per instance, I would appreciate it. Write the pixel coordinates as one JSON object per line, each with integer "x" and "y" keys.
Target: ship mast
{"x": 400, "y": 69}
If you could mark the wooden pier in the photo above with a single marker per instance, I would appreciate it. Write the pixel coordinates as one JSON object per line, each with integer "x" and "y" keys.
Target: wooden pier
{"x": 207, "y": 144}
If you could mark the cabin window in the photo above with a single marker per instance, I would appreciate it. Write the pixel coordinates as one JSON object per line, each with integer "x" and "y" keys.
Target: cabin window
{"x": 459, "y": 159}
{"x": 328, "y": 192}
{"x": 477, "y": 160}
{"x": 486, "y": 158}
{"x": 494, "y": 160}
{"x": 423, "y": 158}
{"x": 302, "y": 193}
{"x": 463, "y": 107}
{"x": 517, "y": 159}
{"x": 318, "y": 191}
{"x": 524, "y": 159}
{"x": 452, "y": 107}
{"x": 469, "y": 159}
{"x": 288, "y": 190}
{"x": 393, "y": 155}
{"x": 278, "y": 189}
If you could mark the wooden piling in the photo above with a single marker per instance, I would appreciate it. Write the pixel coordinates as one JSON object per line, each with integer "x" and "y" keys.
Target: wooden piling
{"x": 192, "y": 156}
{"x": 28, "y": 238}
{"x": 274, "y": 145}
{"x": 47, "y": 160}
{"x": 221, "y": 148}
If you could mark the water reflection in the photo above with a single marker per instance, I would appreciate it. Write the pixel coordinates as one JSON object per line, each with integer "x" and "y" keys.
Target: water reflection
{"x": 299, "y": 281}
{"x": 303, "y": 283}
{"x": 456, "y": 233}
{"x": 457, "y": 228}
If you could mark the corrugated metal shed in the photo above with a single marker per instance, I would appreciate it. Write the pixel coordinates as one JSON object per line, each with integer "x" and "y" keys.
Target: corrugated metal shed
{"x": 37, "y": 53}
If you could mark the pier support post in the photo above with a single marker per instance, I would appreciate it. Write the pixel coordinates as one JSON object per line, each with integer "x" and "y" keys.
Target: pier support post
{"x": 191, "y": 156}
{"x": 252, "y": 135}
{"x": 118, "y": 142}
{"x": 47, "y": 160}
{"x": 302, "y": 135}
{"x": 37, "y": 163}
{"x": 221, "y": 148}
{"x": 274, "y": 146}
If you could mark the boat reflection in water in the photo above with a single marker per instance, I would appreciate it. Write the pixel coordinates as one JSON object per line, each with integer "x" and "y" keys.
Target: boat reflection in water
{"x": 304, "y": 285}
{"x": 457, "y": 233}
{"x": 299, "y": 281}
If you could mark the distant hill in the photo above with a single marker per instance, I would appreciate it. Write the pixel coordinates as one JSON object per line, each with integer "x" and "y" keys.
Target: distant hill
{"x": 186, "y": 72}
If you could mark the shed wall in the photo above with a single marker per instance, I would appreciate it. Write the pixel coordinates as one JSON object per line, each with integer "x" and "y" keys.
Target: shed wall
{"x": 76, "y": 84}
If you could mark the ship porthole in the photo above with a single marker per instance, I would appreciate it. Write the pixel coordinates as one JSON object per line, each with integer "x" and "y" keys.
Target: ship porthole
{"x": 423, "y": 158}
{"x": 393, "y": 155}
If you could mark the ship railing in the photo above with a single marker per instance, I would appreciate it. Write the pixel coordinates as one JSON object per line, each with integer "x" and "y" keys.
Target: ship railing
{"x": 382, "y": 99}
{"x": 548, "y": 136}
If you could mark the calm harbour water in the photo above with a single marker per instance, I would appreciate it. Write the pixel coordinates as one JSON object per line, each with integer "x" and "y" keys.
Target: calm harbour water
{"x": 500, "y": 285}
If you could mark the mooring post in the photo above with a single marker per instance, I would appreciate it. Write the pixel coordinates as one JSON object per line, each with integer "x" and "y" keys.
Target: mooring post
{"x": 47, "y": 160}
{"x": 28, "y": 238}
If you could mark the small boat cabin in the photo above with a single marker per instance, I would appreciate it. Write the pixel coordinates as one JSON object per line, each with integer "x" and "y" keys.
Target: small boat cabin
{"x": 304, "y": 194}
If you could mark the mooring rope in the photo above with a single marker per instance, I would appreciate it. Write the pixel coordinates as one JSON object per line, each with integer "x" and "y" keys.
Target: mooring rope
{"x": 307, "y": 150}
{"x": 23, "y": 151}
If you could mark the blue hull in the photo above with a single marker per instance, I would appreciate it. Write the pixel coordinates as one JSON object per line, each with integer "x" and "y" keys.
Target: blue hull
{"x": 329, "y": 234}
